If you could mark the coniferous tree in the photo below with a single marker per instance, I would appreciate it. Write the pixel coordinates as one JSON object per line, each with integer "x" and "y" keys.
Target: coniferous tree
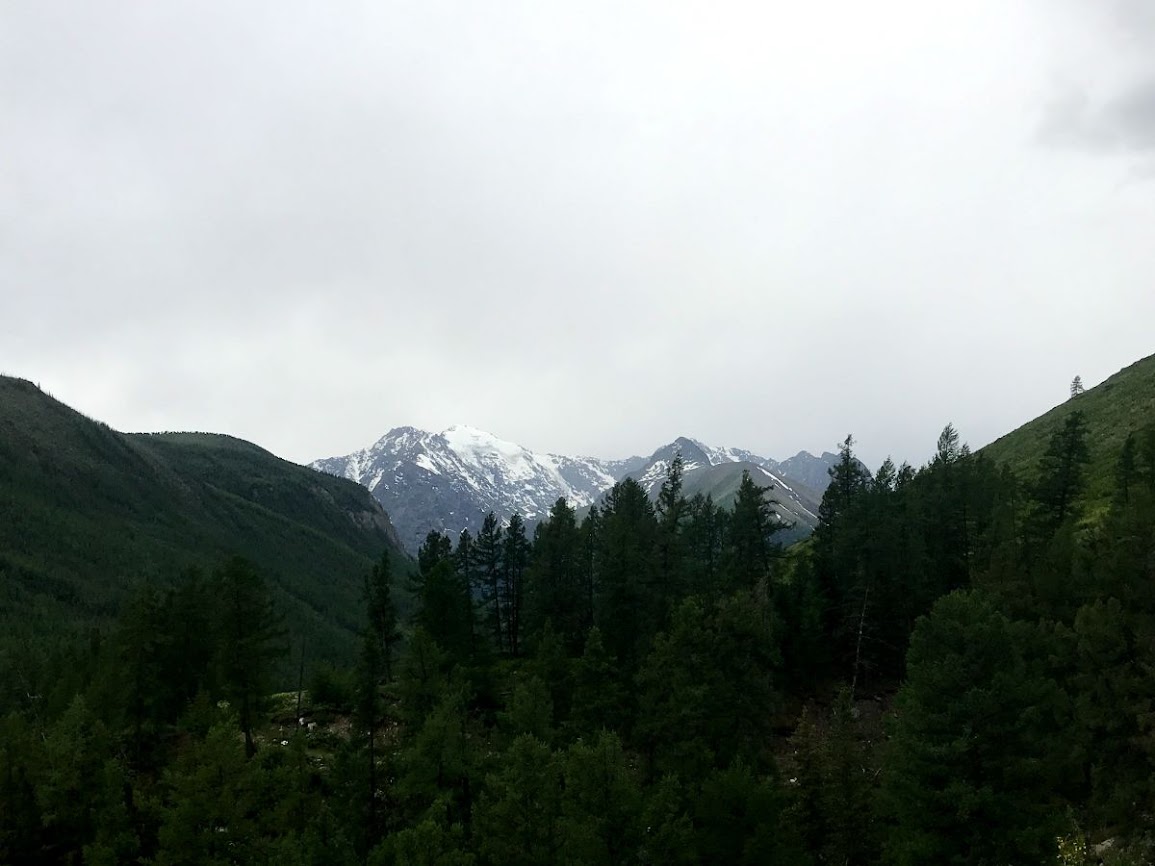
{"x": 519, "y": 818}
{"x": 440, "y": 764}
{"x": 705, "y": 534}
{"x": 601, "y": 802}
{"x": 436, "y": 547}
{"x": 422, "y": 677}
{"x": 978, "y": 756}
{"x": 880, "y": 610}
{"x": 530, "y": 709}
{"x": 1146, "y": 456}
{"x": 705, "y": 691}
{"x": 848, "y": 479}
{"x": 210, "y": 810}
{"x": 946, "y": 491}
{"x": 739, "y": 816}
{"x": 249, "y": 638}
{"x": 366, "y": 719}
{"x": 514, "y": 561}
{"x": 669, "y": 835}
{"x": 187, "y": 650}
{"x": 77, "y": 748}
{"x": 382, "y": 612}
{"x": 466, "y": 563}
{"x": 599, "y": 699}
{"x": 551, "y": 664}
{"x": 445, "y": 610}
{"x": 833, "y": 793}
{"x": 589, "y": 550}
{"x": 489, "y": 572}
{"x": 1125, "y": 470}
{"x": 672, "y": 511}
{"x": 838, "y": 547}
{"x": 632, "y": 593}
{"x": 752, "y": 526}
{"x": 138, "y": 640}
{"x": 555, "y": 592}
{"x": 1060, "y": 475}
{"x": 21, "y": 821}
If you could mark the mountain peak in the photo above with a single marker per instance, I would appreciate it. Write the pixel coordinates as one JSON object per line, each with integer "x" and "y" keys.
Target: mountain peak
{"x": 449, "y": 481}
{"x": 468, "y": 430}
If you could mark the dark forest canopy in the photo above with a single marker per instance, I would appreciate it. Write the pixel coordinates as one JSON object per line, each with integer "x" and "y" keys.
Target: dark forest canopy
{"x": 955, "y": 668}
{"x": 952, "y": 670}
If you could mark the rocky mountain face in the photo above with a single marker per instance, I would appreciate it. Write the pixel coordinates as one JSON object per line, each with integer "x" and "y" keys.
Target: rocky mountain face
{"x": 810, "y": 470}
{"x": 717, "y": 472}
{"x": 450, "y": 480}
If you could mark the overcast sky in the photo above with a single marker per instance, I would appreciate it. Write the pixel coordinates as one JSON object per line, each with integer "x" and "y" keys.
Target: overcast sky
{"x": 588, "y": 227}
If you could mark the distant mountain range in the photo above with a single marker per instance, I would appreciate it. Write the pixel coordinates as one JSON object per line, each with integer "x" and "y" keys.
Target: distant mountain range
{"x": 450, "y": 480}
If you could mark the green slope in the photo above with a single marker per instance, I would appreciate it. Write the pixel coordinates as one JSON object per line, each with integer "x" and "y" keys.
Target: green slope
{"x": 1122, "y": 404}
{"x": 721, "y": 482}
{"x": 86, "y": 513}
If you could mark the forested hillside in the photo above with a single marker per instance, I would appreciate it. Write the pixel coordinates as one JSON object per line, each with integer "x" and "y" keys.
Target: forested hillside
{"x": 953, "y": 669}
{"x": 87, "y": 514}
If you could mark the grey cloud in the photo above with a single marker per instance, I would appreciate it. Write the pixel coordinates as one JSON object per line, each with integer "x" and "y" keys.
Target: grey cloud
{"x": 1133, "y": 116}
{"x": 1124, "y": 123}
{"x": 1117, "y": 114}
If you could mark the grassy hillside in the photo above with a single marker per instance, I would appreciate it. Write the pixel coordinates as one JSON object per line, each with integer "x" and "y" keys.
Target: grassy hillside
{"x": 86, "y": 513}
{"x": 1121, "y": 405}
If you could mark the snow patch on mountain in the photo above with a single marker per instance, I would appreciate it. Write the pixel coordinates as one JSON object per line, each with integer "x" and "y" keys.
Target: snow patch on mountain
{"x": 449, "y": 481}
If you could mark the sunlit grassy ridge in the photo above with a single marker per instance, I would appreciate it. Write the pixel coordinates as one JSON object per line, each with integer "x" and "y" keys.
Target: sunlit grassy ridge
{"x": 1121, "y": 405}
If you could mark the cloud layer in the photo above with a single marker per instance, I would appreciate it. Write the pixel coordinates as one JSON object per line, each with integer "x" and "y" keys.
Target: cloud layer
{"x": 589, "y": 227}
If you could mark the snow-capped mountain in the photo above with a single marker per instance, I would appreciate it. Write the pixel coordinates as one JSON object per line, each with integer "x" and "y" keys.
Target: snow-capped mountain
{"x": 450, "y": 480}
